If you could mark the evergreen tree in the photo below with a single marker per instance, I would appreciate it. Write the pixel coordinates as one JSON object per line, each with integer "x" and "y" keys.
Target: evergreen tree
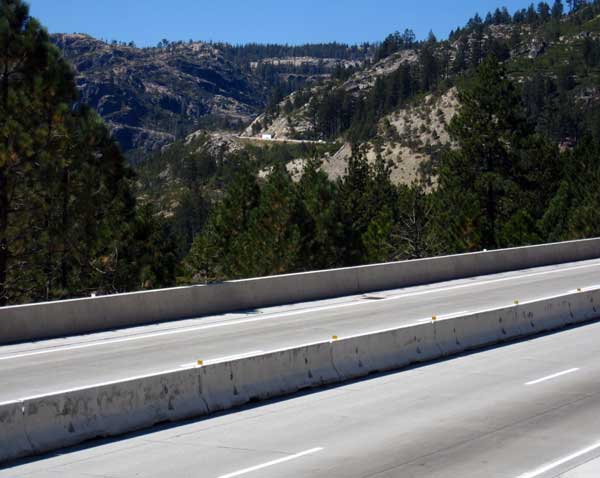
{"x": 355, "y": 208}
{"x": 271, "y": 244}
{"x": 476, "y": 53}
{"x": 65, "y": 200}
{"x": 461, "y": 60}
{"x": 531, "y": 16}
{"x": 24, "y": 51}
{"x": 485, "y": 169}
{"x": 557, "y": 9}
{"x": 554, "y": 223}
{"x": 576, "y": 5}
{"x": 543, "y": 10}
{"x": 377, "y": 240}
{"x": 320, "y": 228}
{"x": 222, "y": 246}
{"x": 582, "y": 170}
{"x": 429, "y": 67}
{"x": 414, "y": 226}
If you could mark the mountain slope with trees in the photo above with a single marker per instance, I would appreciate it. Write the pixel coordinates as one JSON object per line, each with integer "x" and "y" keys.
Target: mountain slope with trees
{"x": 403, "y": 112}
{"x": 503, "y": 184}
{"x": 151, "y": 97}
{"x": 504, "y": 114}
{"x": 516, "y": 162}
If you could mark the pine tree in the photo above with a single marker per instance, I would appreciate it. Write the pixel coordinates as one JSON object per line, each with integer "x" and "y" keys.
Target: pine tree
{"x": 318, "y": 221}
{"x": 272, "y": 242}
{"x": 557, "y": 9}
{"x": 543, "y": 10}
{"x": 582, "y": 170}
{"x": 24, "y": 49}
{"x": 414, "y": 226}
{"x": 429, "y": 67}
{"x": 377, "y": 240}
{"x": 482, "y": 169}
{"x": 219, "y": 251}
{"x": 66, "y": 207}
{"x": 355, "y": 207}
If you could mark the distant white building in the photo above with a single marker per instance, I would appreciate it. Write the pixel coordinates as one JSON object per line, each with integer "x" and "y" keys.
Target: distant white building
{"x": 267, "y": 137}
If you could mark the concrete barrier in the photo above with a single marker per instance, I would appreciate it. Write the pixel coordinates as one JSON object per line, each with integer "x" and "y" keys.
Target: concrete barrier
{"x": 67, "y": 418}
{"x": 78, "y": 316}
{"x": 13, "y": 438}
{"x": 40, "y": 424}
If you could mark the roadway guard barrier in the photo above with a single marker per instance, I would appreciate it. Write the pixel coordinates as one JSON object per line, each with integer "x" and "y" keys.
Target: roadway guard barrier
{"x": 40, "y": 424}
{"x": 78, "y": 316}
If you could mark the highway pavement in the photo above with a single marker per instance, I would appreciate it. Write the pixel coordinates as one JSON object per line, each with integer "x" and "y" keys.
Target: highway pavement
{"x": 50, "y": 366}
{"x": 526, "y": 410}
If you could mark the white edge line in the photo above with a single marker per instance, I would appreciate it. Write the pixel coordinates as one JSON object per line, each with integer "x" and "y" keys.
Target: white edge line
{"x": 550, "y": 377}
{"x": 418, "y": 323}
{"x": 562, "y": 461}
{"x": 102, "y": 384}
{"x": 272, "y": 463}
{"x": 299, "y": 312}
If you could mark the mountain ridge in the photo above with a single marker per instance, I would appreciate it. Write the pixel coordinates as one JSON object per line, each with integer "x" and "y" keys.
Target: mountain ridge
{"x": 152, "y": 96}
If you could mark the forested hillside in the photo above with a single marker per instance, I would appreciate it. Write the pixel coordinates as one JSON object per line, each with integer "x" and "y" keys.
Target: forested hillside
{"x": 488, "y": 139}
{"x": 496, "y": 130}
{"x": 151, "y": 97}
{"x": 402, "y": 105}
{"x": 503, "y": 184}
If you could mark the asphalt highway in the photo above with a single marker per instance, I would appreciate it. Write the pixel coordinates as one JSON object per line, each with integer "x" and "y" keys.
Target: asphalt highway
{"x": 526, "y": 410}
{"x": 50, "y": 366}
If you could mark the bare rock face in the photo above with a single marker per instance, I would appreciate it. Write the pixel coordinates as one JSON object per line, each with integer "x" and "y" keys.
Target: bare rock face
{"x": 537, "y": 48}
{"x": 150, "y": 96}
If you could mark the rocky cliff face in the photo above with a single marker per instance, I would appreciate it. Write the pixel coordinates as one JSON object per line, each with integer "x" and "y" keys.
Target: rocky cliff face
{"x": 151, "y": 96}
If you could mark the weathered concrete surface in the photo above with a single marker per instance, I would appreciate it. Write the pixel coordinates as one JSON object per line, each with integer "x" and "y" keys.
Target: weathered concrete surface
{"x": 57, "y": 319}
{"x": 470, "y": 417}
{"x": 59, "y": 420}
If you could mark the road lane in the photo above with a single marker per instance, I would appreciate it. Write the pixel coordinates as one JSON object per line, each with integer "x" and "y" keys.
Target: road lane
{"x": 48, "y": 366}
{"x": 467, "y": 417}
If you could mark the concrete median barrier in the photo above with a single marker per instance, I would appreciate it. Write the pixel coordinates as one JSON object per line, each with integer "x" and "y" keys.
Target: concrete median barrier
{"x": 261, "y": 377}
{"x": 355, "y": 357}
{"x": 13, "y": 439}
{"x": 40, "y": 424}
{"x": 71, "y": 417}
{"x": 79, "y": 316}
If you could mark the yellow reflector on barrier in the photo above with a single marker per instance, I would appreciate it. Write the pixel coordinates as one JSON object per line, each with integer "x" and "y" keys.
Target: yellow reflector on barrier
{"x": 200, "y": 363}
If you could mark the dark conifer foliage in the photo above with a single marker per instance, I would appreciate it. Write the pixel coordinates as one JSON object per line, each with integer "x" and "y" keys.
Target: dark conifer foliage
{"x": 68, "y": 222}
{"x": 522, "y": 167}
{"x": 505, "y": 184}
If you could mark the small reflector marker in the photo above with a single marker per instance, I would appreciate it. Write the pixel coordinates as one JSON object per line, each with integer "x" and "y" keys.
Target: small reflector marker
{"x": 516, "y": 302}
{"x": 578, "y": 289}
{"x": 200, "y": 363}
{"x": 335, "y": 337}
{"x": 434, "y": 318}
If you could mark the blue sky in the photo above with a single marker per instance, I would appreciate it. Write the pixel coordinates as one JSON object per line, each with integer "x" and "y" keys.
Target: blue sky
{"x": 241, "y": 21}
